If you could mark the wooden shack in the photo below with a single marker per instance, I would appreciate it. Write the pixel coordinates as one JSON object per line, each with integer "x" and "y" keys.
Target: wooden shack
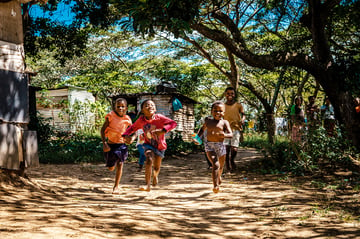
{"x": 18, "y": 146}
{"x": 66, "y": 108}
{"x": 165, "y": 98}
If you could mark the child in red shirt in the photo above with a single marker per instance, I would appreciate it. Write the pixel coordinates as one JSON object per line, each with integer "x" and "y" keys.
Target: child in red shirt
{"x": 115, "y": 149}
{"x": 154, "y": 126}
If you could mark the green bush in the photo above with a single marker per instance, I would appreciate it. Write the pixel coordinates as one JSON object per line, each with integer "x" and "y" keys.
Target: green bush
{"x": 43, "y": 128}
{"x": 324, "y": 150}
{"x": 67, "y": 147}
{"x": 177, "y": 146}
{"x": 317, "y": 152}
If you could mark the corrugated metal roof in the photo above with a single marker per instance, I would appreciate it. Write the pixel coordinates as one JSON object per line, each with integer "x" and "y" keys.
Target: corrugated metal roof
{"x": 181, "y": 97}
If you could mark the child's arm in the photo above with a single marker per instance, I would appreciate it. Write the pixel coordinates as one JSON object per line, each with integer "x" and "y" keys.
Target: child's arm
{"x": 168, "y": 125}
{"x": 106, "y": 147}
{"x": 129, "y": 135}
{"x": 227, "y": 130}
{"x": 202, "y": 129}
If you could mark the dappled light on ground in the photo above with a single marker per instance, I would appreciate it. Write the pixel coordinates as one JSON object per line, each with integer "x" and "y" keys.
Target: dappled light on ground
{"x": 75, "y": 201}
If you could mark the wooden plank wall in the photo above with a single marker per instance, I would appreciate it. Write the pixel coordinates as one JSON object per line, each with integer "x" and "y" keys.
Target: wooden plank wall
{"x": 183, "y": 117}
{"x": 12, "y": 56}
{"x": 11, "y": 27}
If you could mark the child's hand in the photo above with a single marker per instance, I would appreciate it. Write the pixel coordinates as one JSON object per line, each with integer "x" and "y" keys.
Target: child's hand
{"x": 129, "y": 139}
{"x": 106, "y": 147}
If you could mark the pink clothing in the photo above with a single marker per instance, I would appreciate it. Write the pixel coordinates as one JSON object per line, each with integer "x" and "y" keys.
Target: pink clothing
{"x": 158, "y": 121}
{"x": 117, "y": 126}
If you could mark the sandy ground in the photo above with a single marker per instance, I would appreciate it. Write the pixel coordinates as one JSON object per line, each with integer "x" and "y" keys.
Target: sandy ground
{"x": 75, "y": 201}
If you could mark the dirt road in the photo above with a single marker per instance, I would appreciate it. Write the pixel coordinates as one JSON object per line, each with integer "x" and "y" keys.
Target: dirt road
{"x": 75, "y": 201}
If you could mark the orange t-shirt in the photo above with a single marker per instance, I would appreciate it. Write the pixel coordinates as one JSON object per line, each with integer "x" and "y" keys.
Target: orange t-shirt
{"x": 117, "y": 126}
{"x": 233, "y": 114}
{"x": 357, "y": 108}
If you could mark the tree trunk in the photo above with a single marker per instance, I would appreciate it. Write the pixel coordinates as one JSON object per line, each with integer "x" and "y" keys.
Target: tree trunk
{"x": 347, "y": 117}
{"x": 342, "y": 101}
{"x": 270, "y": 123}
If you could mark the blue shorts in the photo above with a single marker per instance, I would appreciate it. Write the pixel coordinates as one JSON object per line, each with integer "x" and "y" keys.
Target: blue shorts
{"x": 117, "y": 153}
{"x": 160, "y": 153}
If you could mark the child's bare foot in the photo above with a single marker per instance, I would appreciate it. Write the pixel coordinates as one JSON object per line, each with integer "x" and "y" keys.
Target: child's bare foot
{"x": 155, "y": 181}
{"x": 116, "y": 190}
{"x": 216, "y": 189}
{"x": 145, "y": 188}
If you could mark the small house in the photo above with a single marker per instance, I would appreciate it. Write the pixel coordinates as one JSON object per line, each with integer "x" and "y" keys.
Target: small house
{"x": 169, "y": 103}
{"x": 66, "y": 108}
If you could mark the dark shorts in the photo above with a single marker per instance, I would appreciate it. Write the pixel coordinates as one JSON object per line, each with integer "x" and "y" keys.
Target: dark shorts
{"x": 117, "y": 153}
{"x": 160, "y": 153}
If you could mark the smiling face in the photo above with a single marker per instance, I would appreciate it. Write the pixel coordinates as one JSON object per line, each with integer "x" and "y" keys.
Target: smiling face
{"x": 230, "y": 95}
{"x": 218, "y": 111}
{"x": 148, "y": 108}
{"x": 120, "y": 107}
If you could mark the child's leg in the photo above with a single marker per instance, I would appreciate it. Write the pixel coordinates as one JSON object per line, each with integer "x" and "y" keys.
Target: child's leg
{"x": 233, "y": 150}
{"x": 227, "y": 160}
{"x": 156, "y": 167}
{"x": 215, "y": 170}
{"x": 148, "y": 165}
{"x": 141, "y": 156}
{"x": 208, "y": 161}
{"x": 118, "y": 174}
{"x": 221, "y": 168}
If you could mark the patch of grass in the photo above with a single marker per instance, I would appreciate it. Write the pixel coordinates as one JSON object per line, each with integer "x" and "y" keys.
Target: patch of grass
{"x": 318, "y": 184}
{"x": 321, "y": 210}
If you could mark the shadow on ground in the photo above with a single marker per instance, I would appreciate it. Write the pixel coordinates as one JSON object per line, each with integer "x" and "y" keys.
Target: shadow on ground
{"x": 75, "y": 201}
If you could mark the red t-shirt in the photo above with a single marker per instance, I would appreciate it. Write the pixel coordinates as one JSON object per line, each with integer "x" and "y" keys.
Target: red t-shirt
{"x": 158, "y": 121}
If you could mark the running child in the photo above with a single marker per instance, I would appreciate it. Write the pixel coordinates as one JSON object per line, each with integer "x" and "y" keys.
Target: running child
{"x": 155, "y": 126}
{"x": 217, "y": 130}
{"x": 115, "y": 149}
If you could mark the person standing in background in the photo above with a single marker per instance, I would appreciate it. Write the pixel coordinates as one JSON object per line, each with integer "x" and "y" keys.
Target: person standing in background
{"x": 297, "y": 119}
{"x": 312, "y": 113}
{"x": 235, "y": 115}
{"x": 139, "y": 146}
{"x": 328, "y": 115}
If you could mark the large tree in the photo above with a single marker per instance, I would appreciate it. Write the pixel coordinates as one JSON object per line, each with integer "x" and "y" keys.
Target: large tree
{"x": 320, "y": 37}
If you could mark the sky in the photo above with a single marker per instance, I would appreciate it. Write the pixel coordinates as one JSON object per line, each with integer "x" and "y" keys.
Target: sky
{"x": 62, "y": 15}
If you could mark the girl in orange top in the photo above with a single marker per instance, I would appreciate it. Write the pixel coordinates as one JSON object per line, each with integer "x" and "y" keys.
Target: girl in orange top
{"x": 115, "y": 149}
